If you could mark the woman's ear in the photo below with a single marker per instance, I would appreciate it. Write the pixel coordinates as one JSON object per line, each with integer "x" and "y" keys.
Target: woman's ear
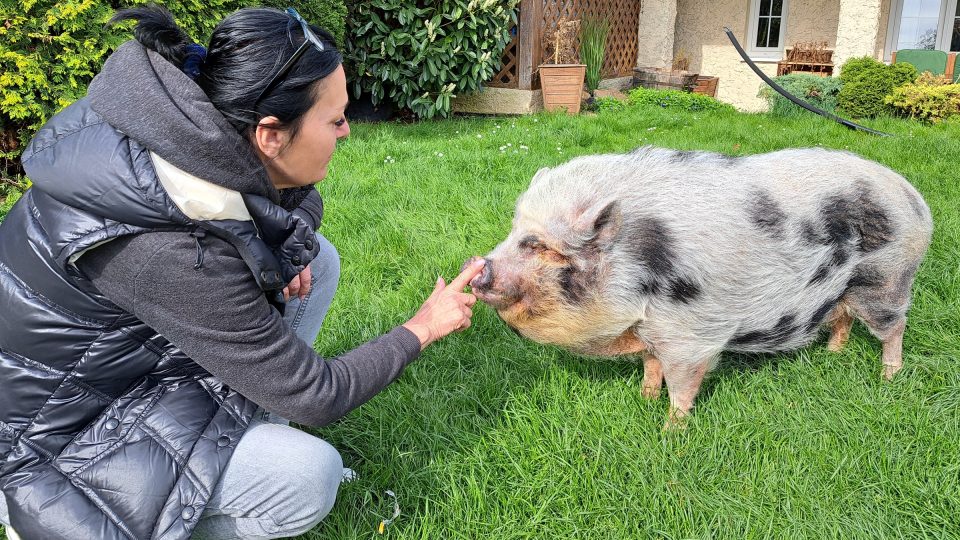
{"x": 269, "y": 137}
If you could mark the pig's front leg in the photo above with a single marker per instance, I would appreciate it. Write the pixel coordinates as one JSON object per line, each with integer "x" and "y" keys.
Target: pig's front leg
{"x": 652, "y": 377}
{"x": 841, "y": 320}
{"x": 683, "y": 383}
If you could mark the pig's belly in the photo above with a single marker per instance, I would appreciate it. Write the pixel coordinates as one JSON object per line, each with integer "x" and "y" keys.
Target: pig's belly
{"x": 783, "y": 317}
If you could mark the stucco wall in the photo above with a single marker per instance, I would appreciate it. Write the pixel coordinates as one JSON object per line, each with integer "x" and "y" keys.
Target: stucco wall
{"x": 859, "y": 29}
{"x": 812, "y": 20}
{"x": 700, "y": 36}
{"x": 656, "y": 33}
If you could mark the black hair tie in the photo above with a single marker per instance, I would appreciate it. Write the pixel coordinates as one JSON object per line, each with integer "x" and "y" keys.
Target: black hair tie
{"x": 196, "y": 54}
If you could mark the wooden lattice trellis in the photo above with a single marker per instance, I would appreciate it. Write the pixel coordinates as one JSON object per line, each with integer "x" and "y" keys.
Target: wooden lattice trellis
{"x": 507, "y": 77}
{"x": 540, "y": 17}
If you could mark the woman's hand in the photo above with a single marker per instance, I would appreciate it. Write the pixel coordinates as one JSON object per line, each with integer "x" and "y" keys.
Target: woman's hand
{"x": 299, "y": 285}
{"x": 447, "y": 309}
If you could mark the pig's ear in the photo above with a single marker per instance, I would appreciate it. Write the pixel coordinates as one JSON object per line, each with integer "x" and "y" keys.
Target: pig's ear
{"x": 602, "y": 222}
{"x": 539, "y": 176}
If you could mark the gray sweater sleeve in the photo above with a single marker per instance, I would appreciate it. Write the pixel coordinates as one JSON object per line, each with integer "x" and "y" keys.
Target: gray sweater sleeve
{"x": 219, "y": 318}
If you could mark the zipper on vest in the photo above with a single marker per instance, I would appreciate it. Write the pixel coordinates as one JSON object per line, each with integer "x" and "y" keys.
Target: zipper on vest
{"x": 197, "y": 234}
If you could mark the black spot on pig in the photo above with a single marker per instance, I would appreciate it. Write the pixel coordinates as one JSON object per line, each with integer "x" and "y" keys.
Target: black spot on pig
{"x": 771, "y": 338}
{"x": 767, "y": 215}
{"x": 821, "y": 313}
{"x": 683, "y": 290}
{"x": 811, "y": 235}
{"x": 821, "y": 274}
{"x": 727, "y": 160}
{"x": 681, "y": 156}
{"x": 856, "y": 220}
{"x": 865, "y": 275}
{"x": 874, "y": 224}
{"x": 572, "y": 285}
{"x": 649, "y": 242}
{"x": 839, "y": 216}
{"x": 884, "y": 318}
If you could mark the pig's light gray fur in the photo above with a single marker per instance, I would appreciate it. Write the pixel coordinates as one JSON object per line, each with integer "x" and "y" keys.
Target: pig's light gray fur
{"x": 749, "y": 233}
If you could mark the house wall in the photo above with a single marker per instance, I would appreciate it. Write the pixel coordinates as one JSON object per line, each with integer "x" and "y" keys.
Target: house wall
{"x": 812, "y": 20}
{"x": 699, "y": 35}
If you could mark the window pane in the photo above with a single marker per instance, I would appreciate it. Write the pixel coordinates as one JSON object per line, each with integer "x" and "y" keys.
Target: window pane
{"x": 774, "y": 32}
{"x": 762, "y": 28}
{"x": 919, "y": 24}
{"x": 929, "y": 8}
{"x": 777, "y": 8}
{"x": 764, "y": 7}
{"x": 927, "y": 34}
{"x": 908, "y": 34}
{"x": 921, "y": 8}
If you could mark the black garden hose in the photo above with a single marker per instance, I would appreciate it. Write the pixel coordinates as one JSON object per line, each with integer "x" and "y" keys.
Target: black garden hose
{"x": 791, "y": 97}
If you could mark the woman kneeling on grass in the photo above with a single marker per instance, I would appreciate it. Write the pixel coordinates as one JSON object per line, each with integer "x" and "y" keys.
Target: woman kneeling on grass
{"x": 162, "y": 287}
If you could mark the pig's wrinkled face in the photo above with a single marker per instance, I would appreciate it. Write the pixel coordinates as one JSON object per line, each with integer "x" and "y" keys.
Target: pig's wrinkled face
{"x": 545, "y": 279}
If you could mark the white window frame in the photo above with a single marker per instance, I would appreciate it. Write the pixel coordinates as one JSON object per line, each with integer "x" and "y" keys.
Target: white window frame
{"x": 945, "y": 31}
{"x": 948, "y": 9}
{"x": 765, "y": 53}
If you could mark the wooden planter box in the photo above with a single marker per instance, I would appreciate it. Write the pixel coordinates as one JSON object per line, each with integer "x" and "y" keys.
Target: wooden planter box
{"x": 562, "y": 86}
{"x": 706, "y": 86}
{"x": 664, "y": 79}
{"x": 785, "y": 67}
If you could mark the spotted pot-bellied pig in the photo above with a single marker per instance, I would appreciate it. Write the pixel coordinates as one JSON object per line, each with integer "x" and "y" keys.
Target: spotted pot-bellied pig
{"x": 678, "y": 256}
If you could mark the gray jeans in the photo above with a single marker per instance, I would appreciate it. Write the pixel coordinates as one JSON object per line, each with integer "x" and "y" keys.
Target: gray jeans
{"x": 280, "y": 481}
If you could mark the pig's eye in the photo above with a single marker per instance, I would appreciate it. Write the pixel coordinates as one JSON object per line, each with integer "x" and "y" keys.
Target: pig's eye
{"x": 553, "y": 256}
{"x": 533, "y": 244}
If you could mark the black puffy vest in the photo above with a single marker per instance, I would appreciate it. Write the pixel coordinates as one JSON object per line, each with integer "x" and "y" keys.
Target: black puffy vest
{"x": 107, "y": 430}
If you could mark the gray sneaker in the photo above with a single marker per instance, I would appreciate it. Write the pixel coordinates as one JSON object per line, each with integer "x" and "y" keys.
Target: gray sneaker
{"x": 349, "y": 475}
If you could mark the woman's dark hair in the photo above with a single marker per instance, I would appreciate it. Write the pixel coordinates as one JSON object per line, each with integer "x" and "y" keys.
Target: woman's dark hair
{"x": 245, "y": 51}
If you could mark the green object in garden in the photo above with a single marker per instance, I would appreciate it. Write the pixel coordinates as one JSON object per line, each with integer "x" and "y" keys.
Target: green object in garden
{"x": 593, "y": 44}
{"x": 924, "y": 60}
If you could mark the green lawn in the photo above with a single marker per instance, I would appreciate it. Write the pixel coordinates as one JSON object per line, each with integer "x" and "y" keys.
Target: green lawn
{"x": 491, "y": 436}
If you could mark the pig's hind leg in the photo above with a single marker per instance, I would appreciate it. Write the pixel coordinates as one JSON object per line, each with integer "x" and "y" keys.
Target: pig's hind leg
{"x": 882, "y": 303}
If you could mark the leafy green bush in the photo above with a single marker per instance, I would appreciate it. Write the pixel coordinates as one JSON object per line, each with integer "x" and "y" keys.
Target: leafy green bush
{"x": 417, "y": 55}
{"x": 930, "y": 98}
{"x": 51, "y": 49}
{"x": 866, "y": 82}
{"x": 609, "y": 104}
{"x": 675, "y": 99}
{"x": 818, "y": 91}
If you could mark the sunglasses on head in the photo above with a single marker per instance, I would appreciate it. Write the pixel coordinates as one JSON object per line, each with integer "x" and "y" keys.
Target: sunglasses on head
{"x": 309, "y": 40}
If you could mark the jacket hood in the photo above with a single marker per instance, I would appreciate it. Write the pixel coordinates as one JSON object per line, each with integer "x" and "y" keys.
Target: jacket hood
{"x": 150, "y": 100}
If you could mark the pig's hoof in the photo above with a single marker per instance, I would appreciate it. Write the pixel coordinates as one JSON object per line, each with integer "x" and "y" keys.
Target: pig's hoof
{"x": 836, "y": 345}
{"x": 650, "y": 392}
{"x": 676, "y": 421}
{"x": 890, "y": 371}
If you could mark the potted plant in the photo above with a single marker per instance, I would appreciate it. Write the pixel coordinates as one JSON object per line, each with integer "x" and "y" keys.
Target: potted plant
{"x": 593, "y": 45}
{"x": 562, "y": 81}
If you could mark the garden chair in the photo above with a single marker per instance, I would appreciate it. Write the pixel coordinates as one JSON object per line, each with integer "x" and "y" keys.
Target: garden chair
{"x": 936, "y": 62}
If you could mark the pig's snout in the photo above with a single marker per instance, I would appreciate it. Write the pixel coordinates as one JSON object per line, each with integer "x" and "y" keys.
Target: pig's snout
{"x": 484, "y": 279}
